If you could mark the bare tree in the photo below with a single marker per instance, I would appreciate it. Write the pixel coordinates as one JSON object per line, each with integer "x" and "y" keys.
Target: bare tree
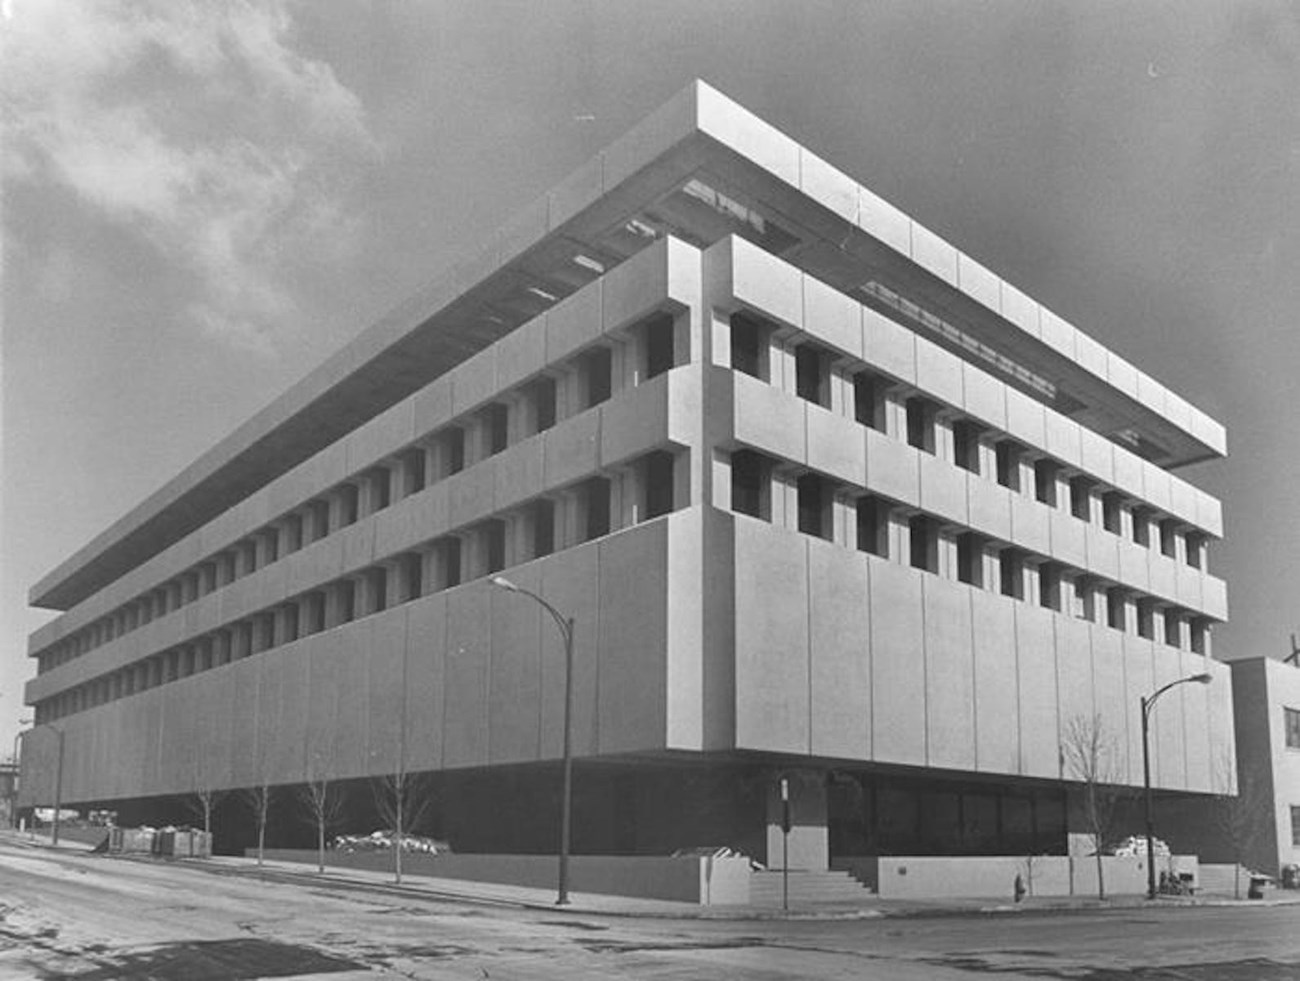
{"x": 1240, "y": 818}
{"x": 402, "y": 799}
{"x": 258, "y": 799}
{"x": 1091, "y": 755}
{"x": 324, "y": 803}
{"x": 203, "y": 804}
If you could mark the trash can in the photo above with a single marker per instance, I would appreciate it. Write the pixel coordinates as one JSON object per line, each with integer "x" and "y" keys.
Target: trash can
{"x": 1291, "y": 877}
{"x": 1257, "y": 884}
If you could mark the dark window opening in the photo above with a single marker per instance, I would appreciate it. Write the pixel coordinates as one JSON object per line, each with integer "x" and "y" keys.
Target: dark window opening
{"x": 1168, "y": 538}
{"x": 920, "y": 423}
{"x": 542, "y": 394}
{"x": 873, "y": 526}
{"x": 449, "y": 562}
{"x": 814, "y": 505}
{"x": 380, "y": 488}
{"x": 970, "y": 559}
{"x": 747, "y": 338}
{"x": 1173, "y": 628}
{"x": 657, "y": 475}
{"x": 413, "y": 464}
{"x": 454, "y": 447}
{"x": 543, "y": 512}
{"x": 1199, "y": 633}
{"x": 321, "y": 513}
{"x": 1295, "y": 826}
{"x": 1049, "y": 586}
{"x": 496, "y": 420}
{"x": 1116, "y": 616}
{"x": 1081, "y": 498}
{"x": 1195, "y": 548}
{"x": 1146, "y": 619}
{"x": 748, "y": 483}
{"x": 413, "y": 573}
{"x": 292, "y": 542}
{"x": 1142, "y": 527}
{"x": 314, "y": 610}
{"x": 290, "y": 624}
{"x": 966, "y": 445}
{"x": 347, "y": 598}
{"x": 658, "y": 334}
{"x": 597, "y": 375}
{"x": 812, "y": 374}
{"x": 1011, "y": 573}
{"x": 1112, "y": 511}
{"x": 869, "y": 400}
{"x": 348, "y": 505}
{"x": 924, "y": 543}
{"x": 1045, "y": 481}
{"x": 494, "y": 538}
{"x": 595, "y": 499}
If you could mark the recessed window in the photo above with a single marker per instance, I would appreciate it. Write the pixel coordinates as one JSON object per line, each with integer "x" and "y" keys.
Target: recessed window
{"x": 1049, "y": 586}
{"x": 1011, "y": 573}
{"x": 657, "y": 333}
{"x": 966, "y": 444}
{"x": 543, "y": 522}
{"x": 1292, "y": 717}
{"x": 749, "y": 480}
{"x": 1082, "y": 593}
{"x": 596, "y": 371}
{"x": 657, "y": 480}
{"x": 814, "y": 506}
{"x": 1146, "y": 618}
{"x": 873, "y": 526}
{"x": 494, "y": 544}
{"x": 924, "y": 543}
{"x": 920, "y": 423}
{"x": 1169, "y": 538}
{"x": 594, "y": 502}
{"x": 1295, "y": 825}
{"x": 1200, "y": 633}
{"x": 496, "y": 420}
{"x": 869, "y": 399}
{"x": 1081, "y": 498}
{"x": 812, "y": 374}
{"x": 748, "y": 336}
{"x": 1142, "y": 527}
{"x": 1045, "y": 481}
{"x": 1111, "y": 512}
{"x": 542, "y": 395}
{"x": 1115, "y": 612}
{"x": 1195, "y": 544}
{"x": 970, "y": 559}
{"x": 413, "y": 475}
{"x": 1173, "y": 628}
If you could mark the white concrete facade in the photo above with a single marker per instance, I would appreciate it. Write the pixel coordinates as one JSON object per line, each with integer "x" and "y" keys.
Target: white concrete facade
{"x": 818, "y": 489}
{"x": 1266, "y": 703}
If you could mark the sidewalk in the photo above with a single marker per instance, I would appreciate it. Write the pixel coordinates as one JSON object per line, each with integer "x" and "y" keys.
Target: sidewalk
{"x": 583, "y": 903}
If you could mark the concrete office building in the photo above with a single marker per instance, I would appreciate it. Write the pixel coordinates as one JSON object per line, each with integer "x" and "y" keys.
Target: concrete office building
{"x": 1266, "y": 707}
{"x": 826, "y": 497}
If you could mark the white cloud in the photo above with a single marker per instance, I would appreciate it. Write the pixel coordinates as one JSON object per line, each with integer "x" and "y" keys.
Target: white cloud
{"x": 195, "y": 123}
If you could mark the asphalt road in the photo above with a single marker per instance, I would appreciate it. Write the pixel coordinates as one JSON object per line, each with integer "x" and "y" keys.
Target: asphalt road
{"x": 75, "y": 915}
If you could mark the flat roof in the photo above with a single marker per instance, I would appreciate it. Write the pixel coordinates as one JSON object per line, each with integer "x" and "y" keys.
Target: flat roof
{"x": 701, "y": 167}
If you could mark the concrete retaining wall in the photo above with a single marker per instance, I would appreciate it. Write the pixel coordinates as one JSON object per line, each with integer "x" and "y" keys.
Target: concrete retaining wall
{"x": 934, "y": 877}
{"x": 691, "y": 880}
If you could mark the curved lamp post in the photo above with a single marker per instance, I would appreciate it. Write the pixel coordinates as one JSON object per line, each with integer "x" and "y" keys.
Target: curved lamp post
{"x": 565, "y": 625}
{"x": 1147, "y": 704}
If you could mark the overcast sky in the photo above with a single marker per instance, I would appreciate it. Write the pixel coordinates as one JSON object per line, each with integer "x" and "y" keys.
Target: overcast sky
{"x": 202, "y": 200}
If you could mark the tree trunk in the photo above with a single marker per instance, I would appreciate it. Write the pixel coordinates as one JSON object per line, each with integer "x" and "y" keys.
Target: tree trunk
{"x": 1101, "y": 882}
{"x": 397, "y": 840}
{"x": 261, "y": 838}
{"x": 320, "y": 847}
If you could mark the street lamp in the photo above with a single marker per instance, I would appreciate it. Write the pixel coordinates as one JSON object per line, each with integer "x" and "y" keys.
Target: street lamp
{"x": 13, "y": 787}
{"x": 565, "y": 625}
{"x": 1147, "y": 704}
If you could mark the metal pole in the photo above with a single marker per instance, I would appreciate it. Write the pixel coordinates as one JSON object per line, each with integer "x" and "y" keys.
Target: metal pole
{"x": 785, "y": 844}
{"x": 566, "y": 804}
{"x": 13, "y": 787}
{"x": 58, "y": 790}
{"x": 1146, "y": 784}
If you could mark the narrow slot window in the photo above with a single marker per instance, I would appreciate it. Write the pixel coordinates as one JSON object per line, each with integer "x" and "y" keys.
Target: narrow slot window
{"x": 966, "y": 445}
{"x": 749, "y": 492}
{"x": 924, "y": 543}
{"x": 658, "y": 337}
{"x": 869, "y": 400}
{"x": 873, "y": 526}
{"x": 1045, "y": 482}
{"x": 747, "y": 338}
{"x": 970, "y": 559}
{"x": 1112, "y": 511}
{"x": 1011, "y": 573}
{"x": 597, "y": 375}
{"x": 920, "y": 423}
{"x": 657, "y": 476}
{"x": 814, "y": 505}
{"x": 1115, "y": 613}
{"x": 812, "y": 374}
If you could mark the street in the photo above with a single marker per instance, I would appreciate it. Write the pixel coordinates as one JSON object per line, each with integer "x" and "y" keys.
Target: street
{"x": 77, "y": 915}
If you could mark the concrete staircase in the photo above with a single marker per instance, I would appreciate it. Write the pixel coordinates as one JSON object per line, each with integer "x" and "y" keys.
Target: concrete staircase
{"x": 806, "y": 888}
